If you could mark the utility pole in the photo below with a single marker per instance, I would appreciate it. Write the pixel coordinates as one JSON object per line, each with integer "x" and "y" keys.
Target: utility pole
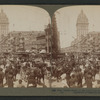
{"x": 47, "y": 40}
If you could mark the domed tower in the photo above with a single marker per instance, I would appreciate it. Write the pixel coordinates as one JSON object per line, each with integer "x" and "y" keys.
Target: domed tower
{"x": 82, "y": 25}
{"x": 4, "y": 24}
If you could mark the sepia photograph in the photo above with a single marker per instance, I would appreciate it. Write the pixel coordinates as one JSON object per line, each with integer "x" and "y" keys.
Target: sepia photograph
{"x": 38, "y": 50}
{"x": 76, "y": 47}
{"x": 25, "y": 46}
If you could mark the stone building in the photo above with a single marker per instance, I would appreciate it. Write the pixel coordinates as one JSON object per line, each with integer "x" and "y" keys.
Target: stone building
{"x": 82, "y": 25}
{"x": 85, "y": 41}
{"x": 44, "y": 40}
{"x": 29, "y": 37}
{"x": 82, "y": 31}
{"x": 16, "y": 40}
{"x": 4, "y": 24}
{"x": 41, "y": 41}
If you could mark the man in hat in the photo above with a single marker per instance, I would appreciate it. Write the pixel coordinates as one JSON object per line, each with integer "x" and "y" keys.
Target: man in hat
{"x": 20, "y": 84}
{"x": 73, "y": 81}
{"x": 79, "y": 78}
{"x": 6, "y": 74}
{"x": 10, "y": 77}
{"x": 1, "y": 77}
{"x": 89, "y": 80}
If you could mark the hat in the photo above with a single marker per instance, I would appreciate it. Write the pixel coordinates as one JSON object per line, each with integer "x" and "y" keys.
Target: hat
{"x": 53, "y": 63}
{"x": 20, "y": 80}
{"x": 1, "y": 69}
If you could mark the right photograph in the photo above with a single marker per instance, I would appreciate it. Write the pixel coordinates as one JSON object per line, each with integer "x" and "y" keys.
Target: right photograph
{"x": 76, "y": 47}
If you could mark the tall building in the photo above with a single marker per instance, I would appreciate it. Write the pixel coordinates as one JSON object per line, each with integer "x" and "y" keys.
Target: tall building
{"x": 4, "y": 24}
{"x": 82, "y": 25}
{"x": 79, "y": 44}
{"x": 86, "y": 42}
{"x": 48, "y": 38}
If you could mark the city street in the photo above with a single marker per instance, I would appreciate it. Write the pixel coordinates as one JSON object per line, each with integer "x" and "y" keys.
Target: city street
{"x": 54, "y": 83}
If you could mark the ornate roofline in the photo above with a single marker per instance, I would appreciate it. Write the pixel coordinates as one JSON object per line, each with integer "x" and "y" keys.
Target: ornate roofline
{"x": 82, "y": 18}
{"x": 3, "y": 18}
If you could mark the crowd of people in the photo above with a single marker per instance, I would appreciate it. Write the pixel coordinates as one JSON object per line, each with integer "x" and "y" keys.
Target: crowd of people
{"x": 82, "y": 71}
{"x": 21, "y": 71}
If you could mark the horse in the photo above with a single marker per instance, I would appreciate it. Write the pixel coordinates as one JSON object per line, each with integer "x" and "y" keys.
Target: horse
{"x": 40, "y": 72}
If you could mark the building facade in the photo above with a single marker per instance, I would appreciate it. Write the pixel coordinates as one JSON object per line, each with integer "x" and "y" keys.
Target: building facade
{"x": 23, "y": 40}
{"x": 44, "y": 40}
{"x": 48, "y": 38}
{"x": 82, "y": 25}
{"x": 41, "y": 41}
{"x": 20, "y": 41}
{"x": 27, "y": 37}
{"x": 85, "y": 41}
{"x": 4, "y": 24}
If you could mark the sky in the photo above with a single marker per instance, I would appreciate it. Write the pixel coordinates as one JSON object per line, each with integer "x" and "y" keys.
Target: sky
{"x": 66, "y": 21}
{"x": 26, "y": 18}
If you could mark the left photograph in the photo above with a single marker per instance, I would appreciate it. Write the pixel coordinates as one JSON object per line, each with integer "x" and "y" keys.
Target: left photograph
{"x": 25, "y": 47}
